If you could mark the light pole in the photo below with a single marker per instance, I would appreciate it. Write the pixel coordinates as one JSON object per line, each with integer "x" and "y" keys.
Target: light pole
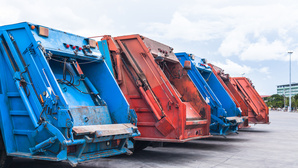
{"x": 284, "y": 99}
{"x": 290, "y": 94}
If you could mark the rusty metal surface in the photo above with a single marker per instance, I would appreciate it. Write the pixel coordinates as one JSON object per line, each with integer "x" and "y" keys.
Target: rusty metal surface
{"x": 245, "y": 96}
{"x": 159, "y": 49}
{"x": 90, "y": 115}
{"x": 161, "y": 113}
{"x": 195, "y": 103}
{"x": 259, "y": 111}
{"x": 164, "y": 126}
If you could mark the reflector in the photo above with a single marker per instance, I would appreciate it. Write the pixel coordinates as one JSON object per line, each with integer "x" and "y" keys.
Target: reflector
{"x": 92, "y": 43}
{"x": 42, "y": 31}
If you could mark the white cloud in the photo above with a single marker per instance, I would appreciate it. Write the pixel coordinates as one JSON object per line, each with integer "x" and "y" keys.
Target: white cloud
{"x": 233, "y": 68}
{"x": 236, "y": 70}
{"x": 233, "y": 44}
{"x": 182, "y": 27}
{"x": 264, "y": 50}
{"x": 254, "y": 31}
{"x": 264, "y": 70}
{"x": 8, "y": 13}
{"x": 82, "y": 18}
{"x": 243, "y": 28}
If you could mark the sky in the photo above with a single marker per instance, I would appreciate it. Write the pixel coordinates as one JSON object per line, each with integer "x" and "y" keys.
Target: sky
{"x": 246, "y": 38}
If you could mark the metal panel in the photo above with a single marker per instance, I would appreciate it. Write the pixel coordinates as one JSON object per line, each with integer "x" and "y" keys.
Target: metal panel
{"x": 104, "y": 130}
{"x": 222, "y": 107}
{"x": 162, "y": 114}
{"x": 45, "y": 96}
{"x": 259, "y": 113}
{"x": 158, "y": 49}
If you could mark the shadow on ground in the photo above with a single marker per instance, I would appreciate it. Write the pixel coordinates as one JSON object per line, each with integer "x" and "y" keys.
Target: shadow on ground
{"x": 199, "y": 145}
{"x": 254, "y": 130}
{"x": 222, "y": 139}
{"x": 147, "y": 155}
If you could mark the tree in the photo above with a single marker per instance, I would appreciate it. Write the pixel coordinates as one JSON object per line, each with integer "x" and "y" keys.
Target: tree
{"x": 276, "y": 101}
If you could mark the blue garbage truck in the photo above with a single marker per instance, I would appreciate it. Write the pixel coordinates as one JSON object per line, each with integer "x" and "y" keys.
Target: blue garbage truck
{"x": 225, "y": 116}
{"x": 58, "y": 99}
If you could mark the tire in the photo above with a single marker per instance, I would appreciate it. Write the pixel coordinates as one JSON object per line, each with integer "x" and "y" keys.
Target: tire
{"x": 140, "y": 145}
{"x": 5, "y": 161}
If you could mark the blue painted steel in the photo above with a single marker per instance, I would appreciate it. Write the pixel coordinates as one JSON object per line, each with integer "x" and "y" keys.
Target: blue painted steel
{"x": 222, "y": 106}
{"x": 53, "y": 88}
{"x": 103, "y": 47}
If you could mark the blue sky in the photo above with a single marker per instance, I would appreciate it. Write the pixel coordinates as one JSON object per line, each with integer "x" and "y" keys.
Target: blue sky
{"x": 250, "y": 37}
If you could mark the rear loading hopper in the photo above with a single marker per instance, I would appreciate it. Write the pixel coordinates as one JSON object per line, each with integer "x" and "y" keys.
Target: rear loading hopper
{"x": 59, "y": 100}
{"x": 225, "y": 116}
{"x": 234, "y": 94}
{"x": 168, "y": 105}
{"x": 258, "y": 112}
{"x": 251, "y": 103}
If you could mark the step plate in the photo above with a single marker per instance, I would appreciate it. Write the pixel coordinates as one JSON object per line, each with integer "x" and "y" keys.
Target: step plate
{"x": 104, "y": 130}
{"x": 237, "y": 119}
{"x": 196, "y": 122}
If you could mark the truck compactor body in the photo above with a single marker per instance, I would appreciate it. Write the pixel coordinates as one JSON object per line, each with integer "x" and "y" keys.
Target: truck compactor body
{"x": 225, "y": 116}
{"x": 58, "y": 99}
{"x": 168, "y": 105}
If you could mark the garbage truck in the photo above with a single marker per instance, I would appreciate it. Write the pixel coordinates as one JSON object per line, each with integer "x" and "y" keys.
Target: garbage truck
{"x": 168, "y": 105}
{"x": 251, "y": 103}
{"x": 58, "y": 99}
{"x": 224, "y": 79}
{"x": 225, "y": 116}
{"x": 258, "y": 112}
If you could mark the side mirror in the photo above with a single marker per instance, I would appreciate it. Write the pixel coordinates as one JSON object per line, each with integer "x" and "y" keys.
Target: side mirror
{"x": 204, "y": 60}
{"x": 159, "y": 59}
{"x": 192, "y": 56}
{"x": 187, "y": 65}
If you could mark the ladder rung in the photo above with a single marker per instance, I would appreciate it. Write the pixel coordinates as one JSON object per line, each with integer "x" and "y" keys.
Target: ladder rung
{"x": 22, "y": 132}
{"x": 148, "y": 124}
{"x": 142, "y": 110}
{"x": 13, "y": 94}
{"x": 196, "y": 122}
{"x": 135, "y": 97}
{"x": 18, "y": 113}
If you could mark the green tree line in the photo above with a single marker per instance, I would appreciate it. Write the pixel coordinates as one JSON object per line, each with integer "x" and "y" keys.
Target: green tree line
{"x": 278, "y": 101}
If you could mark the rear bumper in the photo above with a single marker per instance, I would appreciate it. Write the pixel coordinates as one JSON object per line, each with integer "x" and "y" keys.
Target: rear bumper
{"x": 170, "y": 140}
{"x": 72, "y": 159}
{"x": 236, "y": 120}
{"x": 260, "y": 123}
{"x": 89, "y": 143}
{"x": 225, "y": 126}
{"x": 95, "y": 155}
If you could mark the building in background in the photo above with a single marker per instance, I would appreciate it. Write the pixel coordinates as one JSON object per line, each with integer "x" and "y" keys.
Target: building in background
{"x": 285, "y": 89}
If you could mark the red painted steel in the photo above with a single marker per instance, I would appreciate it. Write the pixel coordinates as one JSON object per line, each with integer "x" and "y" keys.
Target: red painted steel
{"x": 168, "y": 105}
{"x": 245, "y": 96}
{"x": 259, "y": 113}
{"x": 245, "y": 108}
{"x": 234, "y": 94}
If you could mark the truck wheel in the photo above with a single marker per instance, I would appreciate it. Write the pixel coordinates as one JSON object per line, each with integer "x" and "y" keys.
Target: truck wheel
{"x": 140, "y": 145}
{"x": 5, "y": 160}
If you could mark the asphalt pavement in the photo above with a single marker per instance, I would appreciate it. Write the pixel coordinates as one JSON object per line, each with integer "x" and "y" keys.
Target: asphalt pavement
{"x": 273, "y": 145}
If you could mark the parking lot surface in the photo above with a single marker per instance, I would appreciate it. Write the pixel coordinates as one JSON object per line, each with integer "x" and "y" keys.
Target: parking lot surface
{"x": 274, "y": 145}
